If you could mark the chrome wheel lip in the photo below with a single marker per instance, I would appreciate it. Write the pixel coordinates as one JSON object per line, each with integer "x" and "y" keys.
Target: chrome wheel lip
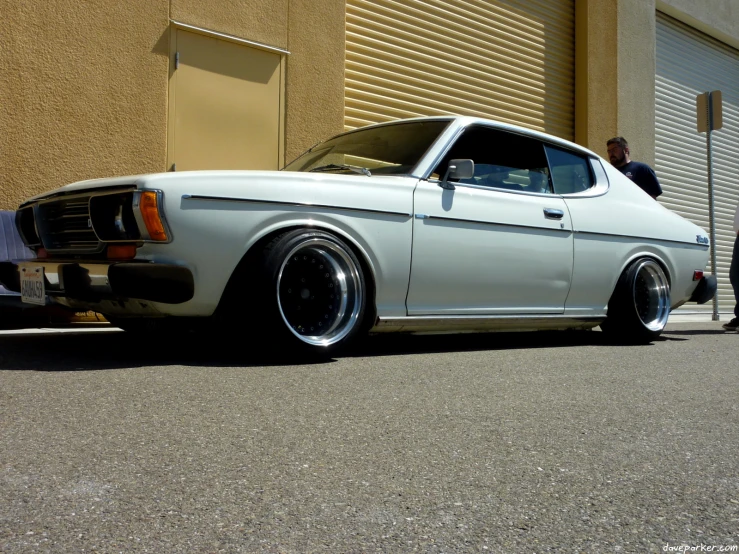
{"x": 350, "y": 294}
{"x": 658, "y": 292}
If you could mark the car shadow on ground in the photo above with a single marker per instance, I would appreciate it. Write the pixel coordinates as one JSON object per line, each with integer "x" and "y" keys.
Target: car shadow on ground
{"x": 387, "y": 345}
{"x": 696, "y": 332}
{"x": 81, "y": 351}
{"x": 114, "y": 349}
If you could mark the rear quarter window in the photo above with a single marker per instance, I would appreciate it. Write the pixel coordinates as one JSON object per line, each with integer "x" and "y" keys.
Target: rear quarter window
{"x": 571, "y": 173}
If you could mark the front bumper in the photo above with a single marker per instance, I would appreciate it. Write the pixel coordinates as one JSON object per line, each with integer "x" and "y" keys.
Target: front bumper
{"x": 705, "y": 290}
{"x": 96, "y": 282}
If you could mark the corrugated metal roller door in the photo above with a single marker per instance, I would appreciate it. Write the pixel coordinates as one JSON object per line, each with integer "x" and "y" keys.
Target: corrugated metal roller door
{"x": 509, "y": 60}
{"x": 689, "y": 63}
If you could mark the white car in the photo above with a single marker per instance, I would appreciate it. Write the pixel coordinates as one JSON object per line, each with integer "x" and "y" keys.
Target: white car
{"x": 418, "y": 225}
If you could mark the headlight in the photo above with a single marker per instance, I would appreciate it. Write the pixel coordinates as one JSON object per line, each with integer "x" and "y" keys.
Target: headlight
{"x": 112, "y": 217}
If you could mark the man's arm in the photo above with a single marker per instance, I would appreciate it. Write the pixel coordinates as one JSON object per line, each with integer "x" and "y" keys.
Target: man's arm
{"x": 649, "y": 182}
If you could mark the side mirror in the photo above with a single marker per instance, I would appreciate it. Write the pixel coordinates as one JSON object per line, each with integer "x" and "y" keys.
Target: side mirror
{"x": 457, "y": 169}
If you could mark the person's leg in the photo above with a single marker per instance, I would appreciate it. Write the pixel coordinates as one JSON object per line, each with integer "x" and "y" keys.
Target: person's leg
{"x": 734, "y": 275}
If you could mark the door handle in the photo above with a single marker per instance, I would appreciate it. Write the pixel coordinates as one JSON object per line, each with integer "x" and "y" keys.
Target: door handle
{"x": 551, "y": 213}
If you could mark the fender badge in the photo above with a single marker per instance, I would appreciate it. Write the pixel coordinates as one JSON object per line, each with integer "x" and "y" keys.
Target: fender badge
{"x": 701, "y": 240}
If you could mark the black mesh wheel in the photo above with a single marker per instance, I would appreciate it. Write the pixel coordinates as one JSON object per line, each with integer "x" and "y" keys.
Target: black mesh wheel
{"x": 318, "y": 286}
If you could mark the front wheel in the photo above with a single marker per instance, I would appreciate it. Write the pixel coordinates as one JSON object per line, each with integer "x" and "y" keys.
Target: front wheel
{"x": 640, "y": 305}
{"x": 313, "y": 293}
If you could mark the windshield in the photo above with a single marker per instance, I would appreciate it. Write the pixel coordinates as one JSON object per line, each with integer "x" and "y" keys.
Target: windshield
{"x": 386, "y": 150}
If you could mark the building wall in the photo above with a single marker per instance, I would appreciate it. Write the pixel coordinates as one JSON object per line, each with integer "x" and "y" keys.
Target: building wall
{"x": 261, "y": 21}
{"x": 315, "y": 73}
{"x": 616, "y": 63}
{"x": 596, "y": 75}
{"x": 718, "y": 18}
{"x": 84, "y": 86}
{"x": 84, "y": 92}
{"x": 637, "y": 64}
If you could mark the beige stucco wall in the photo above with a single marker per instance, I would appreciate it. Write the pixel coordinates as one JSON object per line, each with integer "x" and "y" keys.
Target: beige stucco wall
{"x": 615, "y": 68}
{"x": 263, "y": 21}
{"x": 315, "y": 73}
{"x": 83, "y": 92}
{"x": 84, "y": 85}
{"x": 596, "y": 72}
{"x": 637, "y": 65}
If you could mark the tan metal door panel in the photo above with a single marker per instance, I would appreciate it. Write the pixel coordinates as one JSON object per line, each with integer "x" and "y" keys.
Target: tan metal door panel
{"x": 226, "y": 105}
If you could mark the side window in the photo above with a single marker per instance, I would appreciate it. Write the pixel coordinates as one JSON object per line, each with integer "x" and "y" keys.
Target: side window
{"x": 503, "y": 160}
{"x": 570, "y": 173}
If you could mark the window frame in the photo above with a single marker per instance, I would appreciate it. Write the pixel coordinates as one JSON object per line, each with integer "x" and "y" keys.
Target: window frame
{"x": 601, "y": 182}
{"x": 493, "y": 129}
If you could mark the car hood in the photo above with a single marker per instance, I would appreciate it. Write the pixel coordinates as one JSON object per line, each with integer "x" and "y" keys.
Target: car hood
{"x": 256, "y": 185}
{"x": 174, "y": 179}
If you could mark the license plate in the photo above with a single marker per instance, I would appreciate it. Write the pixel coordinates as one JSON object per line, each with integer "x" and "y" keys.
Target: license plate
{"x": 33, "y": 290}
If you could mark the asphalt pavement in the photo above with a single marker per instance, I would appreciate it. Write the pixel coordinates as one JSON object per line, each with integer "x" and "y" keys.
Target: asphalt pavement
{"x": 517, "y": 442}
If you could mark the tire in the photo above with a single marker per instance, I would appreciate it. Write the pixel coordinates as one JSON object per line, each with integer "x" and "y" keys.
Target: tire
{"x": 313, "y": 292}
{"x": 640, "y": 304}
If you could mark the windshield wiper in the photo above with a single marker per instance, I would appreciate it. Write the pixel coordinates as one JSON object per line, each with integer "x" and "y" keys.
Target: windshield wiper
{"x": 354, "y": 168}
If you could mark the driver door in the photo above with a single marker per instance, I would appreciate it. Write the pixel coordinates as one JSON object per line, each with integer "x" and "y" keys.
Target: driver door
{"x": 500, "y": 242}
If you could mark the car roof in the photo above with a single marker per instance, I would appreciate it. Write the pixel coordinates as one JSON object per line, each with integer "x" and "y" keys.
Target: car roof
{"x": 461, "y": 121}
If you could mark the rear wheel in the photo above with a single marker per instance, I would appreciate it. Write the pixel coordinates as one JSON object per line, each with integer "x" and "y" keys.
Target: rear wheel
{"x": 640, "y": 305}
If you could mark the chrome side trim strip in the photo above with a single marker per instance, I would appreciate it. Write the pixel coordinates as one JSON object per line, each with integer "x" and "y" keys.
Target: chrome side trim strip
{"x": 496, "y": 223}
{"x": 292, "y": 204}
{"x": 455, "y": 323}
{"x": 647, "y": 239}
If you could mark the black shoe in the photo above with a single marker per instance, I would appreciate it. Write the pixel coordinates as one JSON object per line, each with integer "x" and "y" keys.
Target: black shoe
{"x": 733, "y": 325}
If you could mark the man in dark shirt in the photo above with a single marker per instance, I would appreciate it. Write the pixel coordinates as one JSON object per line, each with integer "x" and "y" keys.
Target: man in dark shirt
{"x": 640, "y": 173}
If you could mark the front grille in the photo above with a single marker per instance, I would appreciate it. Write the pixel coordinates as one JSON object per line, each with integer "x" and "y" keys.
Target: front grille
{"x": 64, "y": 225}
{"x": 64, "y": 222}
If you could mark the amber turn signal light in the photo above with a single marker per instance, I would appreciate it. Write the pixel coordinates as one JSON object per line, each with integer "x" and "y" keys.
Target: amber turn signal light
{"x": 149, "y": 206}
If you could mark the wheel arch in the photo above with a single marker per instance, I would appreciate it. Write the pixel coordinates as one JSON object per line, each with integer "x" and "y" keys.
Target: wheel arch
{"x": 638, "y": 255}
{"x": 639, "y": 306}
{"x": 260, "y": 240}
